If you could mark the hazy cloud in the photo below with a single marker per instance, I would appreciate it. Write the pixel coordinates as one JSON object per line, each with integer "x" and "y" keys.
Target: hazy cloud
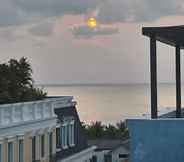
{"x": 13, "y": 12}
{"x": 44, "y": 29}
{"x": 138, "y": 10}
{"x": 86, "y": 32}
{"x": 8, "y": 35}
{"x": 55, "y": 7}
{"x": 9, "y": 14}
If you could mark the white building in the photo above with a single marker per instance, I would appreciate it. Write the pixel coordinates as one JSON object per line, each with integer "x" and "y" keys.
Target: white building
{"x": 28, "y": 132}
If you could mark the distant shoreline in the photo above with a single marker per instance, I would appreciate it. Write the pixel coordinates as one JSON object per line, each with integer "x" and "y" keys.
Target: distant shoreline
{"x": 100, "y": 84}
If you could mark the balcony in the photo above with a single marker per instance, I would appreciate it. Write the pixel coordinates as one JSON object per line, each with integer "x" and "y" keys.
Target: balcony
{"x": 26, "y": 112}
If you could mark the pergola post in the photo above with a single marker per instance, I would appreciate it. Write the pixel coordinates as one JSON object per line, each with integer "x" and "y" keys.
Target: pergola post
{"x": 153, "y": 70}
{"x": 178, "y": 83}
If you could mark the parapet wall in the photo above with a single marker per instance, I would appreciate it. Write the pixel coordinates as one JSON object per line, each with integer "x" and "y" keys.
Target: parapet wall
{"x": 18, "y": 113}
{"x": 159, "y": 140}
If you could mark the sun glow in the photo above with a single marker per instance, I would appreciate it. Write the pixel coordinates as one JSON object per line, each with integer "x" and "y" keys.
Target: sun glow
{"x": 91, "y": 22}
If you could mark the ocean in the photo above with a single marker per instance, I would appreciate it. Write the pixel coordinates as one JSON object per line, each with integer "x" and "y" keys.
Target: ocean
{"x": 112, "y": 103}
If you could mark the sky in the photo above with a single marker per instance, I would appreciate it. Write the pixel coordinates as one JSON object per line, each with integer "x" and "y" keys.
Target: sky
{"x": 62, "y": 49}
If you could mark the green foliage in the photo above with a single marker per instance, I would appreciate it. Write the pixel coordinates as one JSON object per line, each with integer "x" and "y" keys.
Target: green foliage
{"x": 97, "y": 130}
{"x": 16, "y": 83}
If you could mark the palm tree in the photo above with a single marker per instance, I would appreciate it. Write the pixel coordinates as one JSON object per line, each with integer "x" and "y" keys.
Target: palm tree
{"x": 95, "y": 130}
{"x": 16, "y": 83}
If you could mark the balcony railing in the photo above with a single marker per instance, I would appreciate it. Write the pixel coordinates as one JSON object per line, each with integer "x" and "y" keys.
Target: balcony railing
{"x": 12, "y": 114}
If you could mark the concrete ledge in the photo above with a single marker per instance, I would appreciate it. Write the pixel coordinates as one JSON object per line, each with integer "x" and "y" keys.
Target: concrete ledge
{"x": 81, "y": 156}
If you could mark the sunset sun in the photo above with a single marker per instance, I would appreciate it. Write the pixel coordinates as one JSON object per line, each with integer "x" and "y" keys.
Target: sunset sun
{"x": 91, "y": 22}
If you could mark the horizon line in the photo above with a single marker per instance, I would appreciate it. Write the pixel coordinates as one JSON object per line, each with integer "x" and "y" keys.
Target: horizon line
{"x": 97, "y": 84}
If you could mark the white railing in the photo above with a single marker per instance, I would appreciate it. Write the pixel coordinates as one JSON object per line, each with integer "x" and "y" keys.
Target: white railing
{"x": 11, "y": 114}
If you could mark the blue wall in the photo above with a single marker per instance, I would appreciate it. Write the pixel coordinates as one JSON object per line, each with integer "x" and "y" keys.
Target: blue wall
{"x": 157, "y": 140}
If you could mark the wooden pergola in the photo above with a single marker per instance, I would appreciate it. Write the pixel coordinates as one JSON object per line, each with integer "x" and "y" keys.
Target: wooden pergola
{"x": 174, "y": 36}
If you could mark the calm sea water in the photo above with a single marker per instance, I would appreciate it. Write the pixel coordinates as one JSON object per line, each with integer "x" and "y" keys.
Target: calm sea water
{"x": 111, "y": 104}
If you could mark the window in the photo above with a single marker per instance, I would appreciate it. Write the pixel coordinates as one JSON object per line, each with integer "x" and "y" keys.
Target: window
{"x": 42, "y": 145}
{"x": 67, "y": 134}
{"x": 71, "y": 134}
{"x": 58, "y": 137}
{"x": 64, "y": 136}
{"x": 94, "y": 159}
{"x": 108, "y": 158}
{"x": 123, "y": 156}
{"x": 21, "y": 151}
{"x": 1, "y": 158}
{"x": 33, "y": 149}
{"x": 50, "y": 143}
{"x": 10, "y": 152}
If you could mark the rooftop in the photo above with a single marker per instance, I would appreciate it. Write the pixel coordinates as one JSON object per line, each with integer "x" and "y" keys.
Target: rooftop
{"x": 172, "y": 114}
{"x": 109, "y": 144}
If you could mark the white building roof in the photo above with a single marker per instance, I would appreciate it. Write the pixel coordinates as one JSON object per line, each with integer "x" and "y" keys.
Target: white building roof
{"x": 26, "y": 116}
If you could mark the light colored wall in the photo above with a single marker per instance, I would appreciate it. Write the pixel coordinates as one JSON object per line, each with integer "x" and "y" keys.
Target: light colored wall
{"x": 27, "y": 143}
{"x": 157, "y": 140}
{"x": 5, "y": 151}
{"x": 28, "y": 147}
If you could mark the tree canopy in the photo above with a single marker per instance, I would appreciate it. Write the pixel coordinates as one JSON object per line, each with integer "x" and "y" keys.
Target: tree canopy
{"x": 97, "y": 130}
{"x": 16, "y": 82}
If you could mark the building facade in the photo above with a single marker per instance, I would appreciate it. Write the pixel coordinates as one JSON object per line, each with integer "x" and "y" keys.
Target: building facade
{"x": 29, "y": 131}
{"x": 109, "y": 150}
{"x": 71, "y": 142}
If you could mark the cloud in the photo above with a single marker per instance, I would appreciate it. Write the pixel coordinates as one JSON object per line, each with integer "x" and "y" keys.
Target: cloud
{"x": 138, "y": 10}
{"x": 85, "y": 32}
{"x": 54, "y": 7}
{"x": 43, "y": 29}
{"x": 8, "y": 35}
{"x": 9, "y": 14}
{"x": 16, "y": 12}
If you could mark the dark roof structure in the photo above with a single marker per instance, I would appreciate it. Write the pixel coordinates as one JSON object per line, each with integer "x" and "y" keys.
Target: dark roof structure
{"x": 174, "y": 36}
{"x": 171, "y": 35}
{"x": 79, "y": 138}
{"x": 172, "y": 114}
{"x": 108, "y": 144}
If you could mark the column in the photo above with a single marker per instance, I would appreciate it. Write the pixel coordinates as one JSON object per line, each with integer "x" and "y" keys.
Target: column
{"x": 153, "y": 69}
{"x": 178, "y": 83}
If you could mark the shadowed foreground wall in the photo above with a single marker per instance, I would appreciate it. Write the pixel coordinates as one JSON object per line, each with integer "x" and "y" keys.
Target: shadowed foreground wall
{"x": 157, "y": 140}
